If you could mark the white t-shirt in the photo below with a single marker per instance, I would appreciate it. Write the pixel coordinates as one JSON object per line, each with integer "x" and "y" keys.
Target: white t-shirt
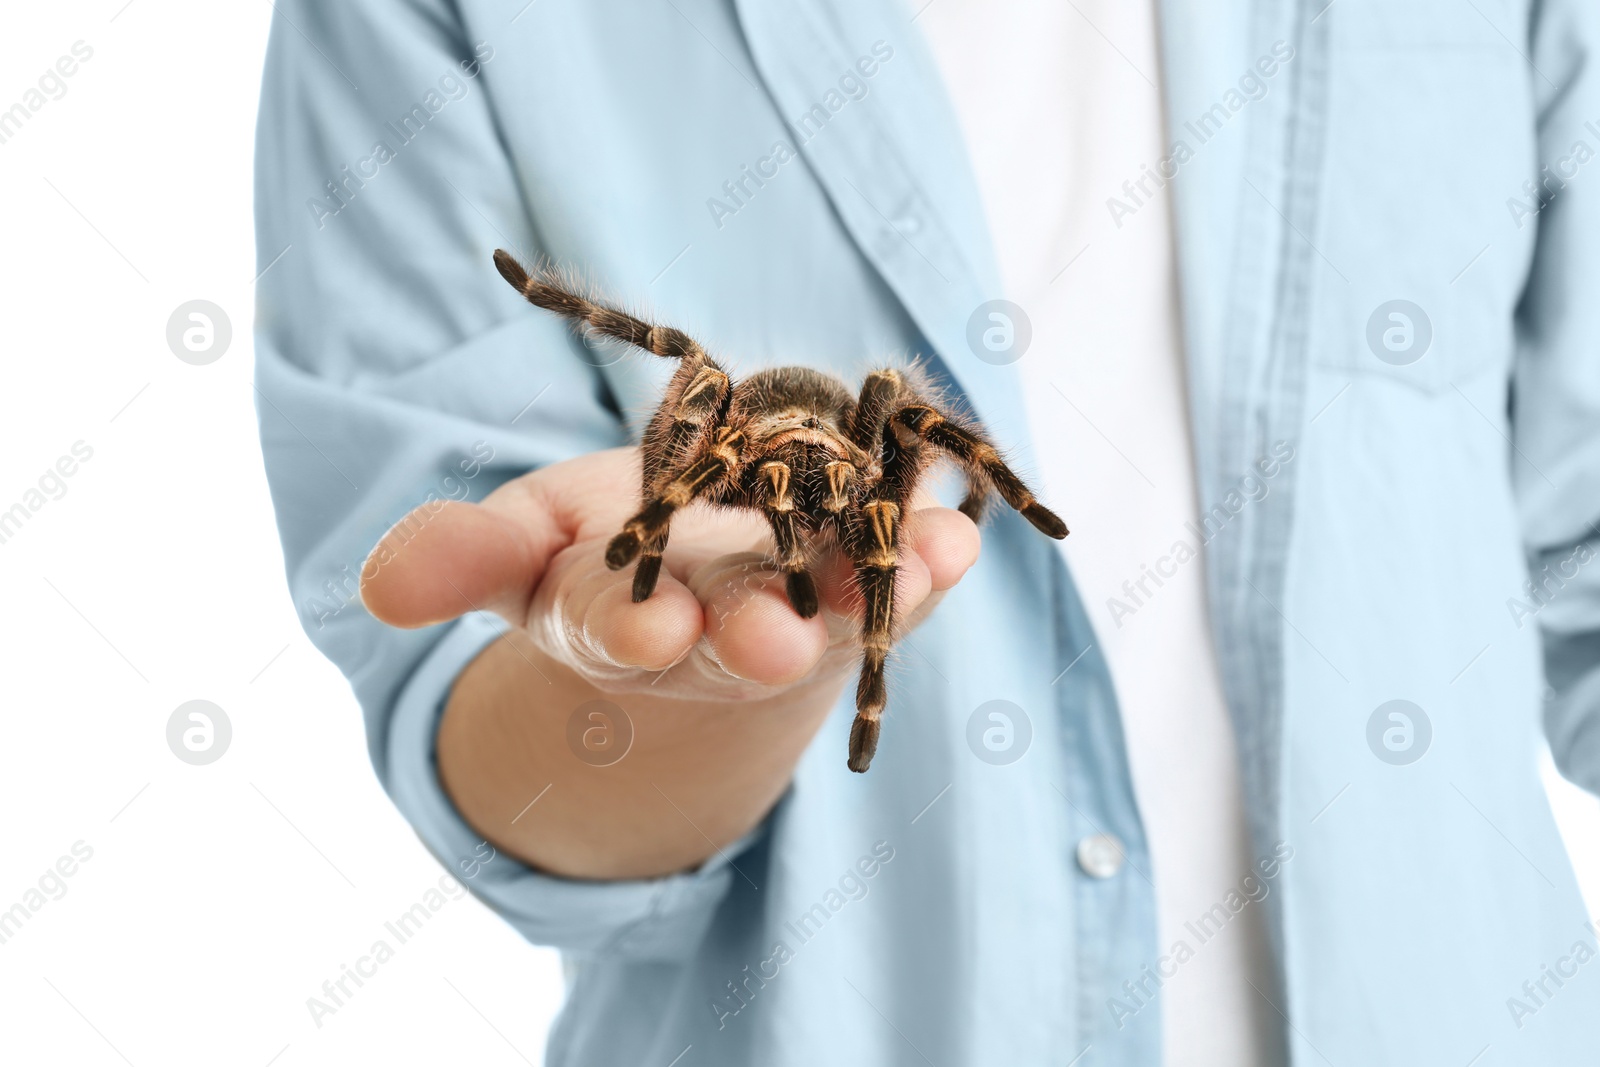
{"x": 1059, "y": 106}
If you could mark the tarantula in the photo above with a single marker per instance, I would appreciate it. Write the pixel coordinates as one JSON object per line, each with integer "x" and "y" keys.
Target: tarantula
{"x": 793, "y": 444}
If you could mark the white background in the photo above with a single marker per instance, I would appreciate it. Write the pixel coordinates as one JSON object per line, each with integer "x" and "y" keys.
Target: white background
{"x": 218, "y": 898}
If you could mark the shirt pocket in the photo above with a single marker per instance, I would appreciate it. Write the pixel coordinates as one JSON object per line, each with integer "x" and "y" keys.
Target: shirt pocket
{"x": 1407, "y": 323}
{"x": 1430, "y": 134}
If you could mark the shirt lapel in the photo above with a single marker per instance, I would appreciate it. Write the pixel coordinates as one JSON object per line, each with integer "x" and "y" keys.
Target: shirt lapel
{"x": 893, "y": 165}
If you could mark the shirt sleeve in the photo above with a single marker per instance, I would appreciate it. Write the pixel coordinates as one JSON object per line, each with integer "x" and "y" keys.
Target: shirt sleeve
{"x": 393, "y": 368}
{"x": 1556, "y": 390}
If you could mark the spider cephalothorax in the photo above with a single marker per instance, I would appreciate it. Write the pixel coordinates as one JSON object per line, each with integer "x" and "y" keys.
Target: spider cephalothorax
{"x": 795, "y": 445}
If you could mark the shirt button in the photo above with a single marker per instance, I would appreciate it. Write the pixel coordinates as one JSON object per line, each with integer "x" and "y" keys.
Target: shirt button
{"x": 1100, "y": 855}
{"x": 907, "y": 224}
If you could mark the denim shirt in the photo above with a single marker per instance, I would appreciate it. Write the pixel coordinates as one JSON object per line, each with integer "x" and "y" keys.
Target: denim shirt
{"x": 1387, "y": 218}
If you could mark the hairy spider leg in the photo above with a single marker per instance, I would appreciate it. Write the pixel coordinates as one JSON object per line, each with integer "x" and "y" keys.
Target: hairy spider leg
{"x": 841, "y": 477}
{"x": 873, "y": 544}
{"x": 916, "y": 422}
{"x": 875, "y": 551}
{"x": 702, "y": 389}
{"x": 718, "y": 461}
{"x": 689, "y": 452}
{"x": 778, "y": 504}
{"x": 702, "y": 403}
{"x": 547, "y": 289}
{"x": 882, "y": 393}
{"x": 700, "y": 406}
{"x": 881, "y": 390}
{"x": 701, "y": 386}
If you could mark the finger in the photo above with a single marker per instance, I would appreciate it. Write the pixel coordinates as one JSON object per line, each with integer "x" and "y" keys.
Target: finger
{"x": 941, "y": 544}
{"x": 752, "y": 631}
{"x": 447, "y": 558}
{"x": 947, "y": 541}
{"x": 587, "y": 611}
{"x": 836, "y": 585}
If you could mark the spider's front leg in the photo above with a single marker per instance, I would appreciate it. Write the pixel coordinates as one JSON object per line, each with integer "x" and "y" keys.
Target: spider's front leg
{"x": 874, "y": 547}
{"x": 645, "y": 535}
{"x": 778, "y": 504}
{"x": 703, "y": 390}
{"x": 671, "y": 442}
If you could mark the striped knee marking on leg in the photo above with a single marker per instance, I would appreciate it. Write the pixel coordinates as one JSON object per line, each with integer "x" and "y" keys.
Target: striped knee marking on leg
{"x": 652, "y": 520}
{"x": 776, "y": 475}
{"x": 719, "y": 459}
{"x": 729, "y": 442}
{"x": 841, "y": 476}
{"x": 702, "y": 396}
{"x": 883, "y": 517}
{"x": 911, "y": 425}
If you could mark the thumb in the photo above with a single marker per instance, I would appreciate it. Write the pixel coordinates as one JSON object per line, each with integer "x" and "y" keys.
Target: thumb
{"x": 447, "y": 558}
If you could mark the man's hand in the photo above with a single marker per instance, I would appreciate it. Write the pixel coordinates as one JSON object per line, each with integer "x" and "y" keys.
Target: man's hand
{"x": 723, "y": 682}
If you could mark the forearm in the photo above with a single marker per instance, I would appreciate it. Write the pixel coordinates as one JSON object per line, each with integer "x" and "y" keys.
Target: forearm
{"x": 697, "y": 777}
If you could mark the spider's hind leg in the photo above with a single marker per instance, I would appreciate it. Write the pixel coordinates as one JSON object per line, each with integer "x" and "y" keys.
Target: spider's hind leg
{"x": 921, "y": 422}
{"x": 880, "y": 392}
{"x": 976, "y": 503}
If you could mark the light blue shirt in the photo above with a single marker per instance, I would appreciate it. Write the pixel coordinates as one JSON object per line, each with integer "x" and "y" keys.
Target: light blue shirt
{"x": 785, "y": 179}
